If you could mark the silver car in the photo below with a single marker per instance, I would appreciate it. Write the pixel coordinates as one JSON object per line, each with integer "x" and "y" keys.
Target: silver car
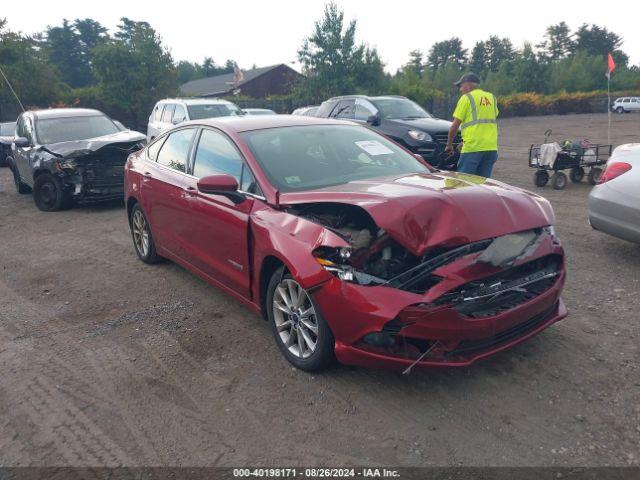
{"x": 172, "y": 111}
{"x": 614, "y": 204}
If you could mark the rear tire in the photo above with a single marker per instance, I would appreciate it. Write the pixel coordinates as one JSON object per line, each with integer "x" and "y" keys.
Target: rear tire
{"x": 541, "y": 178}
{"x": 558, "y": 181}
{"x": 577, "y": 174}
{"x": 594, "y": 175}
{"x": 293, "y": 330}
{"x": 143, "y": 242}
{"x": 49, "y": 193}
{"x": 20, "y": 186}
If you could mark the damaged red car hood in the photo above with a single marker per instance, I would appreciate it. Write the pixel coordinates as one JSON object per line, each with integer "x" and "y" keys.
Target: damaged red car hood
{"x": 420, "y": 211}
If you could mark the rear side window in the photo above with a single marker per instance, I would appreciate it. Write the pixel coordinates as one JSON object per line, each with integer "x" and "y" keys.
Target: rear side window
{"x": 168, "y": 112}
{"x": 175, "y": 150}
{"x": 627, "y": 100}
{"x": 216, "y": 154}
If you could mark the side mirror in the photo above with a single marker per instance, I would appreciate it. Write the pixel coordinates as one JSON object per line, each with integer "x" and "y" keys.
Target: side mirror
{"x": 177, "y": 121}
{"x": 374, "y": 119}
{"x": 221, "y": 184}
{"x": 21, "y": 142}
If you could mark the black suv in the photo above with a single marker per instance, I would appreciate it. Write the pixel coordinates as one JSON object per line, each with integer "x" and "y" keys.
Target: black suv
{"x": 70, "y": 154}
{"x": 400, "y": 119}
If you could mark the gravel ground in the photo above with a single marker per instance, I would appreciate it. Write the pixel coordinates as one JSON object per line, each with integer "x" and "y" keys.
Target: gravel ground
{"x": 107, "y": 361}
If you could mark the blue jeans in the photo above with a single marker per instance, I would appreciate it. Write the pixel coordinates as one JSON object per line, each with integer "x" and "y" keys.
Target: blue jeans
{"x": 478, "y": 163}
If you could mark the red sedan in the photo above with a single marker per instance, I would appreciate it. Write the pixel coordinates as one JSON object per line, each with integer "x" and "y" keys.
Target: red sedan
{"x": 350, "y": 246}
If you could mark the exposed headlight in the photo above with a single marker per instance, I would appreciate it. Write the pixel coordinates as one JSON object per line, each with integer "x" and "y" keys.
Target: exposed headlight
{"x": 420, "y": 136}
{"x": 334, "y": 261}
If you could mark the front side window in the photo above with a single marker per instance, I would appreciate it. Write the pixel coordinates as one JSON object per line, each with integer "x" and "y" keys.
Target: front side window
{"x": 216, "y": 154}
{"x": 400, "y": 108}
{"x": 168, "y": 113}
{"x": 363, "y": 110}
{"x": 175, "y": 150}
{"x": 200, "y": 111}
{"x": 179, "y": 115}
{"x": 316, "y": 156}
{"x": 67, "y": 129}
{"x": 345, "y": 109}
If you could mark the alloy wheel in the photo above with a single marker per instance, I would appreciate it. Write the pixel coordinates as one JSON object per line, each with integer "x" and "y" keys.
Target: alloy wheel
{"x": 295, "y": 318}
{"x": 140, "y": 233}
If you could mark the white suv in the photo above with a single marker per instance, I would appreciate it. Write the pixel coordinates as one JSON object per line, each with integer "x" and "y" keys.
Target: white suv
{"x": 626, "y": 104}
{"x": 173, "y": 111}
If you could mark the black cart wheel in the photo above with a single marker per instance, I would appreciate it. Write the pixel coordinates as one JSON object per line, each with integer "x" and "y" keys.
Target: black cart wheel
{"x": 49, "y": 193}
{"x": 577, "y": 174}
{"x": 558, "y": 180}
{"x": 594, "y": 175}
{"x": 541, "y": 178}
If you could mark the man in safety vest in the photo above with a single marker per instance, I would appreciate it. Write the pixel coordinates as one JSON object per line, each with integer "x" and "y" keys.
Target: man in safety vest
{"x": 476, "y": 115}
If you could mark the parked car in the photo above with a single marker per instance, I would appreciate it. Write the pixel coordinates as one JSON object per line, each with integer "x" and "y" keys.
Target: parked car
{"x": 258, "y": 111}
{"x": 614, "y": 204}
{"x": 67, "y": 155}
{"x": 7, "y": 130}
{"x": 400, "y": 119}
{"x": 173, "y": 111}
{"x": 626, "y": 104}
{"x": 309, "y": 111}
{"x": 346, "y": 242}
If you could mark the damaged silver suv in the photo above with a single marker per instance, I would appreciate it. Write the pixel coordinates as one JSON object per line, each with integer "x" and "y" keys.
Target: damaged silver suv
{"x": 67, "y": 155}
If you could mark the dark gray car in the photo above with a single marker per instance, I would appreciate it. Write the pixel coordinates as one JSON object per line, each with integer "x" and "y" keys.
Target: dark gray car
{"x": 68, "y": 155}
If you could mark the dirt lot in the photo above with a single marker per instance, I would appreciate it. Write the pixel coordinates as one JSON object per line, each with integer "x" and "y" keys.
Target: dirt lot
{"x": 106, "y": 361}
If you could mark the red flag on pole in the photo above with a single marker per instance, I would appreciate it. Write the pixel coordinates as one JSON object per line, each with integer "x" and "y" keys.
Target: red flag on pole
{"x": 611, "y": 65}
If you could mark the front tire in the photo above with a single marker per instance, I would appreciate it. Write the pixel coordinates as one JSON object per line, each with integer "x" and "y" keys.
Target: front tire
{"x": 49, "y": 193}
{"x": 619, "y": 110}
{"x": 300, "y": 331}
{"x": 143, "y": 242}
{"x": 541, "y": 178}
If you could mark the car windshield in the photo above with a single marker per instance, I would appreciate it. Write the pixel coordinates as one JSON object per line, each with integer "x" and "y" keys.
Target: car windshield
{"x": 196, "y": 112}
{"x": 400, "y": 108}
{"x": 316, "y": 156}
{"x": 66, "y": 129}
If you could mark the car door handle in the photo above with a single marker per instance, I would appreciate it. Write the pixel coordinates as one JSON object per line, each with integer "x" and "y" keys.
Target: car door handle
{"x": 146, "y": 176}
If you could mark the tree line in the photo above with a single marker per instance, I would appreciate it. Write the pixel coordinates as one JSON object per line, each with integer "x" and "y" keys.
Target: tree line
{"x": 125, "y": 72}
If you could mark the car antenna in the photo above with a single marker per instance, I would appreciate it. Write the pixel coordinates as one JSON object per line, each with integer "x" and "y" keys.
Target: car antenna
{"x": 12, "y": 90}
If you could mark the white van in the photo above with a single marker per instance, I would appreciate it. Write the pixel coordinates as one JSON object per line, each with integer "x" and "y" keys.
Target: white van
{"x": 172, "y": 111}
{"x": 626, "y": 104}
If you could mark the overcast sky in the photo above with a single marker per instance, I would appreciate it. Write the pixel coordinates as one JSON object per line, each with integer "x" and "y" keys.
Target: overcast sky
{"x": 270, "y": 31}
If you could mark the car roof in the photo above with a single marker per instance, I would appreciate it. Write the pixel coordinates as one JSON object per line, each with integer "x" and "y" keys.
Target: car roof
{"x": 367, "y": 97}
{"x": 66, "y": 112}
{"x": 261, "y": 122}
{"x": 196, "y": 101}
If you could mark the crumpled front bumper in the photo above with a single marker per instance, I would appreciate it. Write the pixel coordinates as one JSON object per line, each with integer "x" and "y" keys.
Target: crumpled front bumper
{"x": 452, "y": 338}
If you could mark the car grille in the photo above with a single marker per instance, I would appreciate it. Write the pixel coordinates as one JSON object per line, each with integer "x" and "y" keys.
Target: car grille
{"x": 469, "y": 346}
{"x": 506, "y": 290}
{"x": 443, "y": 137}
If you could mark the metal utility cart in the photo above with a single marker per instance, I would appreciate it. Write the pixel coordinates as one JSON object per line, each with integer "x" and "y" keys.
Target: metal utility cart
{"x": 575, "y": 156}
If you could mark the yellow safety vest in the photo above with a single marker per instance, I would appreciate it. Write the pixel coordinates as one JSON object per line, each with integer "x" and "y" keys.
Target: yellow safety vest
{"x": 478, "y": 112}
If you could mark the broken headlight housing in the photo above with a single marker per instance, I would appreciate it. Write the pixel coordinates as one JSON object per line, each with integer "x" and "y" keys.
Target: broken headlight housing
{"x": 335, "y": 261}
